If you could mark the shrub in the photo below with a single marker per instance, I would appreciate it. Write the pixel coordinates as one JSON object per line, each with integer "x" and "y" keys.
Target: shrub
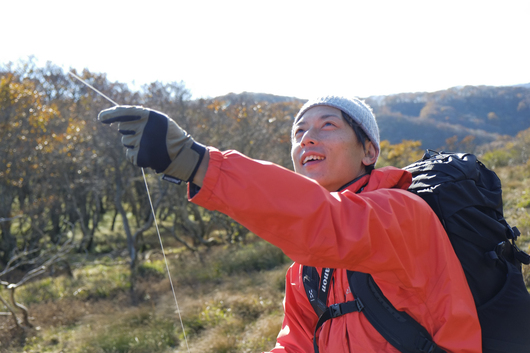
{"x": 498, "y": 158}
{"x": 253, "y": 257}
{"x": 138, "y": 332}
{"x": 231, "y": 260}
{"x": 156, "y": 269}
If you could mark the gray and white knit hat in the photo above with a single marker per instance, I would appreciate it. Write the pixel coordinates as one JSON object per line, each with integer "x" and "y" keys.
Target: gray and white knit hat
{"x": 359, "y": 111}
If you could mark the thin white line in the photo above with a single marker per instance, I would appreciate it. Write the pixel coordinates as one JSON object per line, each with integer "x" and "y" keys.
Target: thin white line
{"x": 89, "y": 85}
{"x": 154, "y": 219}
{"x": 165, "y": 260}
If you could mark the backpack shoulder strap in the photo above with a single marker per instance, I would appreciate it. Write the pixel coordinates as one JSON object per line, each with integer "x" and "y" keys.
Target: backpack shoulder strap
{"x": 317, "y": 289}
{"x": 397, "y": 327}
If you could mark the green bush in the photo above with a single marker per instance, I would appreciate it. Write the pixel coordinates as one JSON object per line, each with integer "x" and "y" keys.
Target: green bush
{"x": 139, "y": 332}
{"x": 94, "y": 281}
{"x": 253, "y": 257}
{"x": 42, "y": 290}
{"x": 524, "y": 199}
{"x": 105, "y": 281}
{"x": 498, "y": 158}
{"x": 156, "y": 269}
{"x": 230, "y": 260}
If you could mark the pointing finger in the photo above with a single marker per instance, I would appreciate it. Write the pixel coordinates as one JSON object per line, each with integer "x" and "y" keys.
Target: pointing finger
{"x": 121, "y": 114}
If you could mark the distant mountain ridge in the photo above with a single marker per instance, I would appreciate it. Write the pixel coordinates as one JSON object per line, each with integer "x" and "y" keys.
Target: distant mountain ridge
{"x": 483, "y": 112}
{"x": 256, "y": 98}
{"x": 526, "y": 85}
{"x": 480, "y": 114}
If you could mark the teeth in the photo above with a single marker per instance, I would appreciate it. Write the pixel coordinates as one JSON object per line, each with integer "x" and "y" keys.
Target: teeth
{"x": 312, "y": 158}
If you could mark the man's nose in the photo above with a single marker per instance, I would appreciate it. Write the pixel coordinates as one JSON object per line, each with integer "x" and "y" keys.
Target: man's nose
{"x": 309, "y": 138}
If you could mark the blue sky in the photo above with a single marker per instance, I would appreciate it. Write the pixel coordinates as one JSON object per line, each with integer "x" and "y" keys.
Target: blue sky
{"x": 293, "y": 48}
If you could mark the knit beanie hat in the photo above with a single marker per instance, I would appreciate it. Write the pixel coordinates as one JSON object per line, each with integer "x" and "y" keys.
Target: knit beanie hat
{"x": 359, "y": 111}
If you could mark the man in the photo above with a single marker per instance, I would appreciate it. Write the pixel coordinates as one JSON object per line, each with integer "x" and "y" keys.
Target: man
{"x": 335, "y": 211}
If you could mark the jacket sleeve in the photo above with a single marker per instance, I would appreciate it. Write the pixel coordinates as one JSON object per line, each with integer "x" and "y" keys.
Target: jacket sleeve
{"x": 296, "y": 335}
{"x": 311, "y": 225}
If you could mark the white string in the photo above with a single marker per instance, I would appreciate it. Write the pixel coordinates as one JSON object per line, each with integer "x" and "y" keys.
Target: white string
{"x": 165, "y": 260}
{"x": 154, "y": 219}
{"x": 95, "y": 90}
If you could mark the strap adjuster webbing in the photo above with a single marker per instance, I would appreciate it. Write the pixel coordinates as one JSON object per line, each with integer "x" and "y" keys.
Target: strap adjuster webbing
{"x": 333, "y": 311}
{"x": 340, "y": 309}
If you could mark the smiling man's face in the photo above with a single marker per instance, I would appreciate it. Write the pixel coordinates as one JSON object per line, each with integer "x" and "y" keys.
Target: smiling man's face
{"x": 325, "y": 148}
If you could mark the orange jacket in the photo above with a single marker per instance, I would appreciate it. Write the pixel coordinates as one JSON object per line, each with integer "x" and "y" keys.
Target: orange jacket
{"x": 385, "y": 231}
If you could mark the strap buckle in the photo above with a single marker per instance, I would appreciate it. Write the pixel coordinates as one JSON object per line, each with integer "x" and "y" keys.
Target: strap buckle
{"x": 335, "y": 310}
{"x": 360, "y": 305}
{"x": 428, "y": 346}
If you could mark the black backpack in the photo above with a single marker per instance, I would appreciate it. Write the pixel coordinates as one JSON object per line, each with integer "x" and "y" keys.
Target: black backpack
{"x": 467, "y": 198}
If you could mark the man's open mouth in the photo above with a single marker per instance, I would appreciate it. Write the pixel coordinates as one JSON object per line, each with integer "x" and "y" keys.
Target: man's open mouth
{"x": 312, "y": 158}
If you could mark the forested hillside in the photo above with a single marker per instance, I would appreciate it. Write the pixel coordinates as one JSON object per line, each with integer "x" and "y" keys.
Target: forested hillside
{"x": 468, "y": 115}
{"x": 78, "y": 247}
{"x": 457, "y": 118}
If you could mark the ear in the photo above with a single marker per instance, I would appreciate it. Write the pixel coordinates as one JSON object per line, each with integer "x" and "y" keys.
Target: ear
{"x": 370, "y": 154}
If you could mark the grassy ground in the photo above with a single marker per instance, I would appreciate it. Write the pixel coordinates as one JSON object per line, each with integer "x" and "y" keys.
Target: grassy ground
{"x": 230, "y": 301}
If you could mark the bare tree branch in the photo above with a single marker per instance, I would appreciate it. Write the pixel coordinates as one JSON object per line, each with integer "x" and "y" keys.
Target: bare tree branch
{"x": 11, "y": 310}
{"x": 21, "y": 307}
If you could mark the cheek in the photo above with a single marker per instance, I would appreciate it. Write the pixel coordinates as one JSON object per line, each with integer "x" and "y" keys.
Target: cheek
{"x": 295, "y": 158}
{"x": 351, "y": 152}
{"x": 293, "y": 148}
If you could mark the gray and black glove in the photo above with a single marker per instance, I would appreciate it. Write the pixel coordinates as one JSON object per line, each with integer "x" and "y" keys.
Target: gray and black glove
{"x": 155, "y": 141}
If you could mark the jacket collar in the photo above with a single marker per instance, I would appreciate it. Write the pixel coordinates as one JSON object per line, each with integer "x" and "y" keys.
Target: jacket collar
{"x": 381, "y": 178}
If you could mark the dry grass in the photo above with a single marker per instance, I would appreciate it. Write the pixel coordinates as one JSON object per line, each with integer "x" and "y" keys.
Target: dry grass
{"x": 234, "y": 304}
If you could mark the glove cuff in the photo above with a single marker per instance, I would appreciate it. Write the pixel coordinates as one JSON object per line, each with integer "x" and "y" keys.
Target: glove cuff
{"x": 185, "y": 165}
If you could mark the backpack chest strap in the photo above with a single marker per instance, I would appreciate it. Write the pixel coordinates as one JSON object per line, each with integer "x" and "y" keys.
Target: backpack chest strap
{"x": 334, "y": 311}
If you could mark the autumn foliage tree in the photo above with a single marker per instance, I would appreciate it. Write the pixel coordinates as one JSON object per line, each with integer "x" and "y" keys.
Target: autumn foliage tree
{"x": 399, "y": 155}
{"x": 27, "y": 158}
{"x": 64, "y": 169}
